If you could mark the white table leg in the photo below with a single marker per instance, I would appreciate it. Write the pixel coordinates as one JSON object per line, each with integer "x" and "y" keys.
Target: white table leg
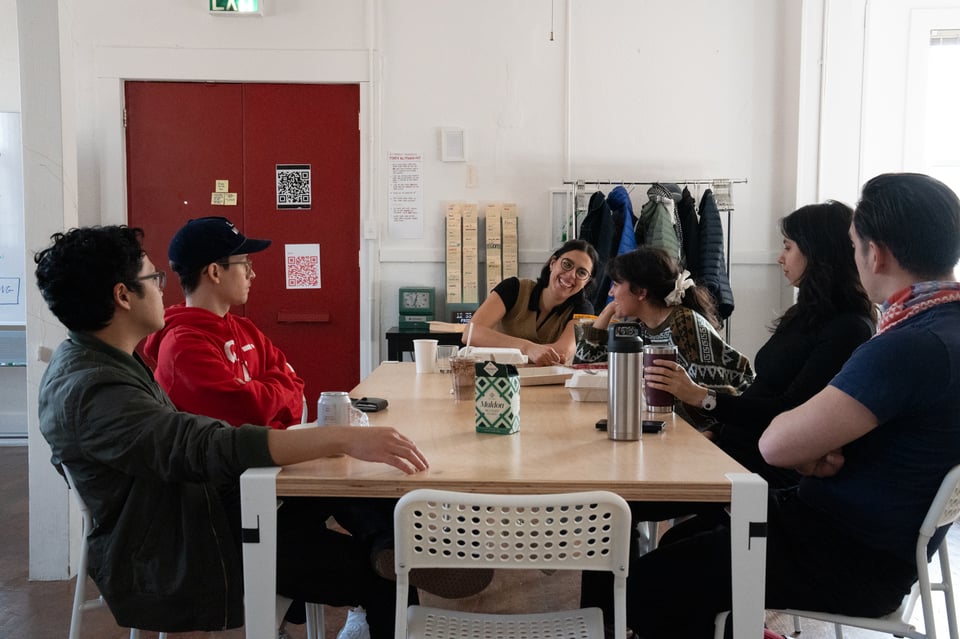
{"x": 748, "y": 553}
{"x": 258, "y": 518}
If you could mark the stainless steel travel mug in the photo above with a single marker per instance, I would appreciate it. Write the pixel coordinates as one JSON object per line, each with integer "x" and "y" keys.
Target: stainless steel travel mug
{"x": 625, "y": 371}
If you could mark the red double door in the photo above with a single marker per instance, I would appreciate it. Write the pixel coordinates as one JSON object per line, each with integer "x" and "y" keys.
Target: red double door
{"x": 182, "y": 138}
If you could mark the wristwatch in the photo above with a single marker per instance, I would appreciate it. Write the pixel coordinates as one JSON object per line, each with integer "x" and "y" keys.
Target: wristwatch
{"x": 709, "y": 402}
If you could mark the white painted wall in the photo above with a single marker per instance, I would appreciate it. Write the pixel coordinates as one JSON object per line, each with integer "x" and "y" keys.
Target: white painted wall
{"x": 662, "y": 89}
{"x": 630, "y": 91}
{"x": 9, "y": 58}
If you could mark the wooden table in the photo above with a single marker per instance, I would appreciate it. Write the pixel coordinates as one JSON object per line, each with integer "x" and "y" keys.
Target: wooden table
{"x": 557, "y": 449}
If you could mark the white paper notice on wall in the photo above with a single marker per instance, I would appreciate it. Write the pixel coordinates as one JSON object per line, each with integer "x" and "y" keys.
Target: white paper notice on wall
{"x": 302, "y": 265}
{"x": 405, "y": 195}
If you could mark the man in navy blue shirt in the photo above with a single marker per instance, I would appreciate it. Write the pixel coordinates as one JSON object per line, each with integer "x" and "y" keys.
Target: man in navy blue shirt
{"x": 873, "y": 446}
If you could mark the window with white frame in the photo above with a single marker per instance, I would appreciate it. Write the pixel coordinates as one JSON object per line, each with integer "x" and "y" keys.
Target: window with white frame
{"x": 932, "y": 144}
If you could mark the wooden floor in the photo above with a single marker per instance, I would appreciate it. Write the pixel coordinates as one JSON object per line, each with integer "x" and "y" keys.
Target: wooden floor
{"x": 41, "y": 610}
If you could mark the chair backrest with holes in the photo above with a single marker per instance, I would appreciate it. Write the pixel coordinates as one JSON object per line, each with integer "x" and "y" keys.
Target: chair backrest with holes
{"x": 574, "y": 531}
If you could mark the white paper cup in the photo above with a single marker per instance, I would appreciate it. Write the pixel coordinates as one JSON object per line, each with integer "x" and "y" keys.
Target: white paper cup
{"x": 425, "y": 355}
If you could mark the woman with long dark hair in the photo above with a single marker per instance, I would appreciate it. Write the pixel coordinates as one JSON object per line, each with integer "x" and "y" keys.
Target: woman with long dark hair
{"x": 648, "y": 286}
{"x": 810, "y": 341}
{"x": 536, "y": 316}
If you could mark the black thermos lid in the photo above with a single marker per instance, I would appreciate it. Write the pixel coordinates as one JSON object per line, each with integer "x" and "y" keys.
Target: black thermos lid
{"x": 624, "y": 338}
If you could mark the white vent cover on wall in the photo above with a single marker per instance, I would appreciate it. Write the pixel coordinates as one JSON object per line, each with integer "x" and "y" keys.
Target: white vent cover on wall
{"x": 453, "y": 145}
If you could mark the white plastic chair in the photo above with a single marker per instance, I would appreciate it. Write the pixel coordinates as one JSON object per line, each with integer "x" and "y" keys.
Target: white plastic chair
{"x": 945, "y": 509}
{"x": 80, "y": 603}
{"x": 573, "y": 531}
{"x": 314, "y": 611}
{"x": 315, "y": 620}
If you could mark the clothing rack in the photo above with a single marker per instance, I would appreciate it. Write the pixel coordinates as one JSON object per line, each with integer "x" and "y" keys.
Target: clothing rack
{"x": 722, "y": 195}
{"x": 619, "y": 182}
{"x": 724, "y": 203}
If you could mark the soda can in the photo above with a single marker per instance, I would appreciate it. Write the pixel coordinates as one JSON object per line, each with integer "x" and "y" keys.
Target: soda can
{"x": 333, "y": 409}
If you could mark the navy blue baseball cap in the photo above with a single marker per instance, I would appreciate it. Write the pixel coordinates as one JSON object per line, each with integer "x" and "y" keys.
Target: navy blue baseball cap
{"x": 207, "y": 240}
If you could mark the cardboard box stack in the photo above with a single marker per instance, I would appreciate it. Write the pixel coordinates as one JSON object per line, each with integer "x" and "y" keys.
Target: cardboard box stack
{"x": 454, "y": 254}
{"x": 494, "y": 245}
{"x": 510, "y": 255}
{"x": 463, "y": 251}
{"x": 471, "y": 255}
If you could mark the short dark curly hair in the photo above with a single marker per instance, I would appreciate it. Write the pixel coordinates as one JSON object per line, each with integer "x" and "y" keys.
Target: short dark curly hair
{"x": 77, "y": 273}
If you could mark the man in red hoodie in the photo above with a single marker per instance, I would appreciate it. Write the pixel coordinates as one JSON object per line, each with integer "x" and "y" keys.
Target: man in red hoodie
{"x": 214, "y": 363}
{"x": 208, "y": 360}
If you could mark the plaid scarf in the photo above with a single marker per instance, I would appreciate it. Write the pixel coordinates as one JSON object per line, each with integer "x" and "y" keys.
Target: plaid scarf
{"x": 915, "y": 299}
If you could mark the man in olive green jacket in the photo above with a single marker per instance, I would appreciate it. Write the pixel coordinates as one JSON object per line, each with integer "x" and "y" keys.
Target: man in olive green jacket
{"x": 162, "y": 485}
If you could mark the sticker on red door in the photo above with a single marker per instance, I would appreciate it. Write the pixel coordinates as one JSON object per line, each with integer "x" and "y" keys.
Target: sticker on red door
{"x": 303, "y": 265}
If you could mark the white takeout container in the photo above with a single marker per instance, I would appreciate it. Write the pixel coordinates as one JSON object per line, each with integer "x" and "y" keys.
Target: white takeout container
{"x": 541, "y": 375}
{"x": 498, "y": 355}
{"x": 588, "y": 386}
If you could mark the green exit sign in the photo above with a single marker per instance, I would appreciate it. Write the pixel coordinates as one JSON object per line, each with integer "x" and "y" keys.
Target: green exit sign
{"x": 235, "y": 6}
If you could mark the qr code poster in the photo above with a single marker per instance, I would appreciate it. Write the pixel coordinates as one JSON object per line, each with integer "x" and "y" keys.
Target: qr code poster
{"x": 293, "y": 186}
{"x": 303, "y": 265}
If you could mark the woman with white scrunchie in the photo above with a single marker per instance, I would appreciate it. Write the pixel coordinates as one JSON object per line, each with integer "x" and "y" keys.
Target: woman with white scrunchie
{"x": 648, "y": 286}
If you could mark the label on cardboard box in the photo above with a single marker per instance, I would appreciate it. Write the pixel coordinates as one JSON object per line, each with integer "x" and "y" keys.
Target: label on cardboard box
{"x": 497, "y": 398}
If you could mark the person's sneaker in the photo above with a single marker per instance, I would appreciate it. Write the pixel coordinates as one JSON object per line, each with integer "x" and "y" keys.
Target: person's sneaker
{"x": 355, "y": 627}
{"x": 443, "y": 582}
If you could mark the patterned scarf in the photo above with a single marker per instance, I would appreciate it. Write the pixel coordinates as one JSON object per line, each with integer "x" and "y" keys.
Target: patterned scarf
{"x": 915, "y": 299}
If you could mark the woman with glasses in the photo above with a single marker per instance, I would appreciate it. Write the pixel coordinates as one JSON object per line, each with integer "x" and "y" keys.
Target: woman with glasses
{"x": 536, "y": 316}
{"x": 648, "y": 286}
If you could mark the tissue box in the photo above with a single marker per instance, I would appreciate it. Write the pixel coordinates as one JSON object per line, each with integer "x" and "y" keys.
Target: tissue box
{"x": 497, "y": 398}
{"x": 588, "y": 386}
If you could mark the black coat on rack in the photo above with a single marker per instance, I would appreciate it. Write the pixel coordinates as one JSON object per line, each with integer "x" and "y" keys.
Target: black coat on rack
{"x": 702, "y": 242}
{"x": 598, "y": 228}
{"x": 690, "y": 225}
{"x": 712, "y": 261}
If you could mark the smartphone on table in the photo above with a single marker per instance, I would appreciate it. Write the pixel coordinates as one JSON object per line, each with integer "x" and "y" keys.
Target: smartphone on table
{"x": 651, "y": 426}
{"x": 646, "y": 426}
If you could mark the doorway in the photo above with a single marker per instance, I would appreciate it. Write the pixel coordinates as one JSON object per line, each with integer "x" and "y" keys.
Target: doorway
{"x": 186, "y": 139}
{"x": 14, "y": 281}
